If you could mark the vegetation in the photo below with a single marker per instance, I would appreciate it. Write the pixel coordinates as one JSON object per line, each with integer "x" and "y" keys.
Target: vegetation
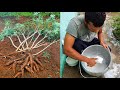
{"x": 33, "y": 33}
{"x": 28, "y": 14}
{"x": 49, "y": 27}
{"x": 116, "y": 26}
{"x": 46, "y": 55}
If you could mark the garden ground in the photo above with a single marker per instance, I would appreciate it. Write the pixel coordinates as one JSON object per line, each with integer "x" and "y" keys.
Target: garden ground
{"x": 51, "y": 66}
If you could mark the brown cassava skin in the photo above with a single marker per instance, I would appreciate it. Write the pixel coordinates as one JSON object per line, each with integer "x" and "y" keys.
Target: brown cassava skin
{"x": 25, "y": 63}
{"x": 9, "y": 63}
{"x": 28, "y": 69}
{"x": 22, "y": 70}
{"x": 20, "y": 62}
{"x": 31, "y": 61}
{"x": 36, "y": 66}
{"x": 18, "y": 74}
{"x": 36, "y": 59}
{"x": 14, "y": 66}
{"x": 28, "y": 62}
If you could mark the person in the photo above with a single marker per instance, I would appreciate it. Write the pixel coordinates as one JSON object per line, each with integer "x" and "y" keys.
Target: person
{"x": 83, "y": 31}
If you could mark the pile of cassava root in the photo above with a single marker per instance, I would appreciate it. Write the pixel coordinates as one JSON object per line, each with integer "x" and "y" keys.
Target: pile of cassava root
{"x": 28, "y": 61}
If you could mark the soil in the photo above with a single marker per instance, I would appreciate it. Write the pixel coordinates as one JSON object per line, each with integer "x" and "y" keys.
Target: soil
{"x": 51, "y": 66}
{"x": 74, "y": 72}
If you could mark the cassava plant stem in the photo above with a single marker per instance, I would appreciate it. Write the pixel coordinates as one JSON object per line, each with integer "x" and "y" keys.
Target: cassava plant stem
{"x": 35, "y": 40}
{"x": 13, "y": 43}
{"x": 45, "y": 47}
{"x": 20, "y": 41}
{"x": 40, "y": 40}
{"x": 25, "y": 40}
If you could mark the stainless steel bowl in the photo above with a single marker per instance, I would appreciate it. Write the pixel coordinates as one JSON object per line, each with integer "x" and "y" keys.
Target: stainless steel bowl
{"x": 93, "y": 51}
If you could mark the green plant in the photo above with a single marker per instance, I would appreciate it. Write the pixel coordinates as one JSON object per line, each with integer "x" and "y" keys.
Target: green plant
{"x": 49, "y": 26}
{"x": 29, "y": 41}
{"x": 44, "y": 14}
{"x": 12, "y": 30}
{"x": 116, "y": 26}
{"x": 28, "y": 14}
{"x": 52, "y": 28}
{"x": 7, "y": 31}
{"x": 116, "y": 33}
{"x": 46, "y": 55}
{"x": 17, "y": 14}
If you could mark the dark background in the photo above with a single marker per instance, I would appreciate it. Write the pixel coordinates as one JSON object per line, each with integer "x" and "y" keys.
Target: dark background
{"x": 59, "y": 5}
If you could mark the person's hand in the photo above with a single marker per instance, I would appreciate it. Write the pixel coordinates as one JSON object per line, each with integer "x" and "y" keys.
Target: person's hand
{"x": 104, "y": 45}
{"x": 91, "y": 62}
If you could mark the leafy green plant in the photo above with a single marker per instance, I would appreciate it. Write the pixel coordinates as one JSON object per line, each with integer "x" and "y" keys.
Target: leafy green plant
{"x": 46, "y": 55}
{"x": 4, "y": 14}
{"x": 12, "y": 30}
{"x": 57, "y": 14}
{"x": 116, "y": 33}
{"x": 52, "y": 28}
{"x": 28, "y": 14}
{"x": 49, "y": 27}
{"x": 116, "y": 26}
{"x": 29, "y": 36}
{"x": 7, "y": 31}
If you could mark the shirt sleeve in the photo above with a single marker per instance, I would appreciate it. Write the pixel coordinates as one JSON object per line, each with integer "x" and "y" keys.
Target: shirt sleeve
{"x": 72, "y": 28}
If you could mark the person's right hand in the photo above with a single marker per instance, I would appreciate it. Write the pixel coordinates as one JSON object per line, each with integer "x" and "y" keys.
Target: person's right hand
{"x": 91, "y": 62}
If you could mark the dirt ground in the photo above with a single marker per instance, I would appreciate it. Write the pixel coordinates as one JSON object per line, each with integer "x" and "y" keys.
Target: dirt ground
{"x": 74, "y": 72}
{"x": 51, "y": 66}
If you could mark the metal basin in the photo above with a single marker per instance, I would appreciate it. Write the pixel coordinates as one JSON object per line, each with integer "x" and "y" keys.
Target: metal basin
{"x": 99, "y": 69}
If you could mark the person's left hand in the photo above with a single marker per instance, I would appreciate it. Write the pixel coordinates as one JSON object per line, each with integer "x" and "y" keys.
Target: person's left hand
{"x": 104, "y": 45}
